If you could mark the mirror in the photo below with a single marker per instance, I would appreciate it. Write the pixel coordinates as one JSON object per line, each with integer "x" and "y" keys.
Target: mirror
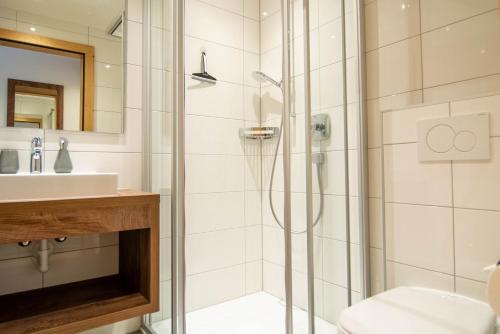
{"x": 61, "y": 65}
{"x": 35, "y": 105}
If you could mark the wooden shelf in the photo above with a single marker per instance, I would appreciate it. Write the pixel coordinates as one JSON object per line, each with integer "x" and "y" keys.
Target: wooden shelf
{"x": 74, "y": 307}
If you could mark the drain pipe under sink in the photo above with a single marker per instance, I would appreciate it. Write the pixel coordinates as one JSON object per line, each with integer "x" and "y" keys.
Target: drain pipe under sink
{"x": 42, "y": 257}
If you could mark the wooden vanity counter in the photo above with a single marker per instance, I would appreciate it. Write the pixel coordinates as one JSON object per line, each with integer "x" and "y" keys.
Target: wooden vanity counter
{"x": 74, "y": 307}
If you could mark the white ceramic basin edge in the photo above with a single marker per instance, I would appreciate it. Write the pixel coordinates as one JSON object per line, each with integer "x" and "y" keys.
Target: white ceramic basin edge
{"x": 45, "y": 186}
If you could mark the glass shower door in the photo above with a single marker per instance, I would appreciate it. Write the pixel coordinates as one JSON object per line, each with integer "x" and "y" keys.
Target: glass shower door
{"x": 327, "y": 187}
{"x": 225, "y": 257}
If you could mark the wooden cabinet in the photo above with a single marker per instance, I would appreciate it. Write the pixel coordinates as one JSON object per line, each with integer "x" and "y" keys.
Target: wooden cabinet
{"x": 75, "y": 307}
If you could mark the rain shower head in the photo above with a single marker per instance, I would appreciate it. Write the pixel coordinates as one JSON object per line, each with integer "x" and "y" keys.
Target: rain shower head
{"x": 262, "y": 77}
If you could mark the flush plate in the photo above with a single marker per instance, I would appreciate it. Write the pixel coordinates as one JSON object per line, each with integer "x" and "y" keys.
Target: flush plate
{"x": 454, "y": 138}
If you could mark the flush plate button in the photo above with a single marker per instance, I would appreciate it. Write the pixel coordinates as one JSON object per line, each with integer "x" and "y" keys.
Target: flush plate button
{"x": 454, "y": 138}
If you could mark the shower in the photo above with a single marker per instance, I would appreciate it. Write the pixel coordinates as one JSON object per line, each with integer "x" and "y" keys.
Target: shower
{"x": 262, "y": 77}
{"x": 259, "y": 206}
{"x": 318, "y": 159}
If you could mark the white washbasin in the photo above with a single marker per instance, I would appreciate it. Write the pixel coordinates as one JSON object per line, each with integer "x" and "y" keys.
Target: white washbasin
{"x": 22, "y": 187}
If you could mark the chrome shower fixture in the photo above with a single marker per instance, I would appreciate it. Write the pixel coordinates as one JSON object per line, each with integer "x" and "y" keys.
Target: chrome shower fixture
{"x": 262, "y": 77}
{"x": 203, "y": 75}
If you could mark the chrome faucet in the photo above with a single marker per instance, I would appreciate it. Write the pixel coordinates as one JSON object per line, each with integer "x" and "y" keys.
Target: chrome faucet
{"x": 36, "y": 156}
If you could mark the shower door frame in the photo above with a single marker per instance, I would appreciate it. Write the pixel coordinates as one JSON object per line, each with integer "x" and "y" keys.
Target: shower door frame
{"x": 178, "y": 306}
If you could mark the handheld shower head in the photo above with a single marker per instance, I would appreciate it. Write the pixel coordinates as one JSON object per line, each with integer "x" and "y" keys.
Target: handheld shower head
{"x": 262, "y": 77}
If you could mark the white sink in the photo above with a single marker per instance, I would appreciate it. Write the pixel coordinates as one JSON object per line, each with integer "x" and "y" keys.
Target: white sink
{"x": 22, "y": 187}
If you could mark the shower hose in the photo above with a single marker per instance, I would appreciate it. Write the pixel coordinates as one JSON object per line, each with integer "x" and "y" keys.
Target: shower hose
{"x": 318, "y": 173}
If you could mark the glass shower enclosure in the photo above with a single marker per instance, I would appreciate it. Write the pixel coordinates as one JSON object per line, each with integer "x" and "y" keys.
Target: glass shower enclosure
{"x": 257, "y": 147}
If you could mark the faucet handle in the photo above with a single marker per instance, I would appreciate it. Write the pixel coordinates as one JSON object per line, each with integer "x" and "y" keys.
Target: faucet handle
{"x": 36, "y": 142}
{"x": 63, "y": 143}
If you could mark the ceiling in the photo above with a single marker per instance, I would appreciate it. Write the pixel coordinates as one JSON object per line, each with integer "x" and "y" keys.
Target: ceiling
{"x": 100, "y": 14}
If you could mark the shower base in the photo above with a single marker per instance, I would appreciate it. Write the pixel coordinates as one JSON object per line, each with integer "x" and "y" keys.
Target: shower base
{"x": 259, "y": 313}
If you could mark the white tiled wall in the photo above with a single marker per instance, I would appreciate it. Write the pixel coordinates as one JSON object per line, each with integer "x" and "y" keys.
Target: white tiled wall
{"x": 441, "y": 218}
{"x": 425, "y": 51}
{"x": 108, "y": 63}
{"x": 120, "y": 153}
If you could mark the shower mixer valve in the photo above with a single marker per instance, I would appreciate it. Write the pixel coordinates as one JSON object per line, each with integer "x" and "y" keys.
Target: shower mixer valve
{"x": 320, "y": 127}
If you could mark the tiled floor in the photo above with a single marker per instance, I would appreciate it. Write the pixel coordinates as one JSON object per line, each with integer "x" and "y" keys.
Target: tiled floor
{"x": 259, "y": 313}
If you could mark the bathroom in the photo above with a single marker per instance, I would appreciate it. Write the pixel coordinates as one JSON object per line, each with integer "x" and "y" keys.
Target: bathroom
{"x": 186, "y": 167}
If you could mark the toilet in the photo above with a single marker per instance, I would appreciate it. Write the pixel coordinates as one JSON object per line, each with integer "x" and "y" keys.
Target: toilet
{"x": 414, "y": 310}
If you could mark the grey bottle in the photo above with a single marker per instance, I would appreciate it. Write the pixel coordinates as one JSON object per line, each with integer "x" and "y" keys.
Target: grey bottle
{"x": 63, "y": 162}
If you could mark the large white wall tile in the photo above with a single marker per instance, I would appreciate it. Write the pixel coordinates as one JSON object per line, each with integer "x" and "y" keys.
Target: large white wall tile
{"x": 389, "y": 21}
{"x": 274, "y": 279}
{"x": 374, "y": 172}
{"x": 269, "y": 7}
{"x": 270, "y": 32}
{"x": 335, "y": 261}
{"x": 394, "y": 69}
{"x": 333, "y": 220}
{"x": 404, "y": 275}
{"x": 437, "y": 14}
{"x": 251, "y": 9}
{"x": 477, "y": 184}
{"x": 421, "y": 236}
{"x": 472, "y": 289}
{"x": 335, "y": 301}
{"x": 133, "y": 87}
{"x": 251, "y": 36}
{"x": 273, "y": 245}
{"x": 223, "y": 62}
{"x": 214, "y": 24}
{"x": 486, "y": 104}
{"x": 330, "y": 43}
{"x": 376, "y": 225}
{"x": 214, "y": 173}
{"x": 214, "y": 287}
{"x": 214, "y": 250}
{"x": 329, "y": 10}
{"x": 462, "y": 51}
{"x": 220, "y": 100}
{"x": 253, "y": 280}
{"x": 476, "y": 242}
{"x": 210, "y": 135}
{"x": 376, "y": 270}
{"x": 133, "y": 43}
{"x": 235, "y": 6}
{"x": 253, "y": 208}
{"x": 253, "y": 243}
{"x": 166, "y": 259}
{"x": 409, "y": 181}
{"x": 134, "y": 10}
{"x": 215, "y": 211}
{"x": 401, "y": 126}
{"x": 472, "y": 88}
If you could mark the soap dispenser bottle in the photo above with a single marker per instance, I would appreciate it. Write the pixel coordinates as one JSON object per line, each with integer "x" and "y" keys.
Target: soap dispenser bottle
{"x": 63, "y": 162}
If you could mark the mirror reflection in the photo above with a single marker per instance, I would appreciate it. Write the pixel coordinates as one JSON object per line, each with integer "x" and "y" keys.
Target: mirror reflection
{"x": 61, "y": 64}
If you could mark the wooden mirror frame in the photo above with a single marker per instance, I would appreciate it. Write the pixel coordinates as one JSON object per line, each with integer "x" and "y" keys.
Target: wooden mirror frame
{"x": 62, "y": 48}
{"x": 34, "y": 88}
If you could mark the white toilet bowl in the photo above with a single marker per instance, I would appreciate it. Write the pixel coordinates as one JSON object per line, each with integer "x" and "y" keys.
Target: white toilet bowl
{"x": 412, "y": 310}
